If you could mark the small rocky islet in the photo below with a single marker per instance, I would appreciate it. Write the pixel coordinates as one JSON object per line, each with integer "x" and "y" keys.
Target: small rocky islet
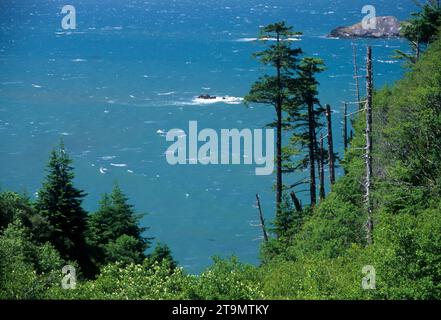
{"x": 386, "y": 27}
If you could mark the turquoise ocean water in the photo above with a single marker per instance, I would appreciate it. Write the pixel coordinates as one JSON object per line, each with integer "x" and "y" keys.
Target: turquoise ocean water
{"x": 130, "y": 71}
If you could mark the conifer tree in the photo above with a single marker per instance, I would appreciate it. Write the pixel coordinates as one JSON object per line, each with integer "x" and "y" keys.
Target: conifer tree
{"x": 114, "y": 230}
{"x": 304, "y": 113}
{"x": 60, "y": 202}
{"x": 273, "y": 89}
{"x": 162, "y": 253}
{"x": 421, "y": 30}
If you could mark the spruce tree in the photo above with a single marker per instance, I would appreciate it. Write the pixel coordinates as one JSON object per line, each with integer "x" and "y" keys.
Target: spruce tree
{"x": 273, "y": 89}
{"x": 421, "y": 30}
{"x": 304, "y": 113}
{"x": 114, "y": 231}
{"x": 60, "y": 202}
{"x": 162, "y": 253}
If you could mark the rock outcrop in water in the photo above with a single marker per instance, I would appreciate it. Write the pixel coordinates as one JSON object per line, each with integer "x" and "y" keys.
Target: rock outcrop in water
{"x": 386, "y": 27}
{"x": 206, "y": 97}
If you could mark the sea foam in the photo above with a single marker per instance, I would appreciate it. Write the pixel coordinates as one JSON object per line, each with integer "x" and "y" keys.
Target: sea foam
{"x": 225, "y": 99}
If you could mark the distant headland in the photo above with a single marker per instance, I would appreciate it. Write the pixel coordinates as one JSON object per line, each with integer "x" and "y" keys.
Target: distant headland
{"x": 386, "y": 27}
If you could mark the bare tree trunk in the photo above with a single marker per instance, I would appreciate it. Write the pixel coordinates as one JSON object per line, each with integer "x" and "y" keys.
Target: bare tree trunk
{"x": 330, "y": 146}
{"x": 417, "y": 49}
{"x": 279, "y": 160}
{"x": 279, "y": 136}
{"x": 357, "y": 86}
{"x": 368, "y": 182}
{"x": 345, "y": 125}
{"x": 321, "y": 170}
{"x": 262, "y": 220}
{"x": 296, "y": 201}
{"x": 312, "y": 147}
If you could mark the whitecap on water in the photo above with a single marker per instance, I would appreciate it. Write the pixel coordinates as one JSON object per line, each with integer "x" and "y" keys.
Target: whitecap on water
{"x": 108, "y": 157}
{"x": 118, "y": 164}
{"x": 225, "y": 99}
{"x": 166, "y": 93}
{"x": 265, "y": 39}
{"x": 11, "y": 83}
{"x": 388, "y": 61}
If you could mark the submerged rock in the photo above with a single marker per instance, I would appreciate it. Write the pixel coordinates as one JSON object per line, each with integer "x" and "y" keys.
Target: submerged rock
{"x": 386, "y": 27}
{"x": 206, "y": 96}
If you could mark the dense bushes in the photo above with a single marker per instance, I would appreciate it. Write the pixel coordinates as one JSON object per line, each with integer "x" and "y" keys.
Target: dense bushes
{"x": 325, "y": 259}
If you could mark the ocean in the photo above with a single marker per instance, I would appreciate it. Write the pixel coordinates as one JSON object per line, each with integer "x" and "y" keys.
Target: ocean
{"x": 130, "y": 72}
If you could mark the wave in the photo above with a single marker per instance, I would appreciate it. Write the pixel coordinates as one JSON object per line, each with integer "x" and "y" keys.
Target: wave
{"x": 225, "y": 99}
{"x": 161, "y": 133}
{"x": 118, "y": 164}
{"x": 265, "y": 39}
{"x": 11, "y": 83}
{"x": 166, "y": 93}
{"x": 108, "y": 157}
{"x": 388, "y": 61}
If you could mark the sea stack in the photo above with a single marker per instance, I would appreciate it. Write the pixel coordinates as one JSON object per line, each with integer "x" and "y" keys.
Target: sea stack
{"x": 386, "y": 27}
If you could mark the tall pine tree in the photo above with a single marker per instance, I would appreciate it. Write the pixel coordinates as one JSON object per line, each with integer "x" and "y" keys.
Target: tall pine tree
{"x": 421, "y": 30}
{"x": 274, "y": 89}
{"x": 60, "y": 202}
{"x": 304, "y": 115}
{"x": 114, "y": 231}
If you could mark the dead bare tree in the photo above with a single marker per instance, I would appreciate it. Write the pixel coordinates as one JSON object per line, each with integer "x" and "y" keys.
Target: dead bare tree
{"x": 296, "y": 201}
{"x": 345, "y": 125}
{"x": 357, "y": 85}
{"x": 321, "y": 169}
{"x": 262, "y": 219}
{"x": 331, "y": 163}
{"x": 368, "y": 155}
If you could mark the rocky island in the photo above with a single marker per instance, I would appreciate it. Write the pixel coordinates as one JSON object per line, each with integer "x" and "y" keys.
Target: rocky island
{"x": 386, "y": 27}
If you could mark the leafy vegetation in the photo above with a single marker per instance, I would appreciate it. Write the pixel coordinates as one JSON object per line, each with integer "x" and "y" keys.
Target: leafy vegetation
{"x": 315, "y": 252}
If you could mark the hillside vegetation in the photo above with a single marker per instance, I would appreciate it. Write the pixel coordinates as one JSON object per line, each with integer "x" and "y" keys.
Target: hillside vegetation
{"x": 320, "y": 253}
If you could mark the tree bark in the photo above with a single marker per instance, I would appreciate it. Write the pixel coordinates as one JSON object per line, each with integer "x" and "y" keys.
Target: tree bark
{"x": 321, "y": 170}
{"x": 296, "y": 201}
{"x": 368, "y": 182}
{"x": 345, "y": 125}
{"x": 417, "y": 49}
{"x": 279, "y": 134}
{"x": 330, "y": 146}
{"x": 262, "y": 219}
{"x": 311, "y": 146}
{"x": 357, "y": 86}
